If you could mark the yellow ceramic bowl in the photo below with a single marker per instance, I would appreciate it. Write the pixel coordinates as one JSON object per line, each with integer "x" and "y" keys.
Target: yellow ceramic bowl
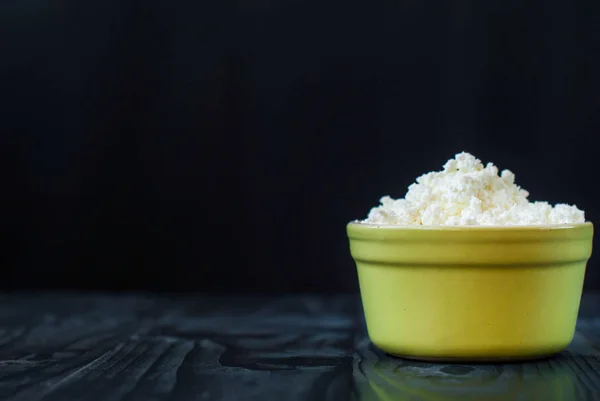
{"x": 471, "y": 293}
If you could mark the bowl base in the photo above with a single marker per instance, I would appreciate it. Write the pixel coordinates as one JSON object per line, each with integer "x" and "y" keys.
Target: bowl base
{"x": 483, "y": 359}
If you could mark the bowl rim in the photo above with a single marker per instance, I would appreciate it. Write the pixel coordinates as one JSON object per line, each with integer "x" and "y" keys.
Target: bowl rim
{"x": 533, "y": 227}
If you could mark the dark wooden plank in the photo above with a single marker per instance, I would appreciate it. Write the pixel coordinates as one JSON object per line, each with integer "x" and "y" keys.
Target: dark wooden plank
{"x": 139, "y": 348}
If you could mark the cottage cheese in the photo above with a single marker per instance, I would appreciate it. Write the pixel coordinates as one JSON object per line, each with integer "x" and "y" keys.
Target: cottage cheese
{"x": 467, "y": 193}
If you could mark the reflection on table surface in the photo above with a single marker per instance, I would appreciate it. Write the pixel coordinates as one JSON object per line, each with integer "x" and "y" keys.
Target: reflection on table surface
{"x": 568, "y": 376}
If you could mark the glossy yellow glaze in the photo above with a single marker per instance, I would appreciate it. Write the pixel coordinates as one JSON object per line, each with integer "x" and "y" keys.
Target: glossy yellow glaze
{"x": 471, "y": 293}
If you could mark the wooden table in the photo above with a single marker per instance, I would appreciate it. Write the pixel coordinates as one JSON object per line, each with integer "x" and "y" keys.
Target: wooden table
{"x": 147, "y": 348}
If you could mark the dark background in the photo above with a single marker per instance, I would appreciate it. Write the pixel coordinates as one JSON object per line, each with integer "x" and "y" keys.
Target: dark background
{"x": 223, "y": 146}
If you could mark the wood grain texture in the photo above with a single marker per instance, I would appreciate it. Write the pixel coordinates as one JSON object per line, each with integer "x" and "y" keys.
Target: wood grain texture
{"x": 141, "y": 348}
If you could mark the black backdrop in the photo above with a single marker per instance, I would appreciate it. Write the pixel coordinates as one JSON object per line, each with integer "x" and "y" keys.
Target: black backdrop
{"x": 222, "y": 146}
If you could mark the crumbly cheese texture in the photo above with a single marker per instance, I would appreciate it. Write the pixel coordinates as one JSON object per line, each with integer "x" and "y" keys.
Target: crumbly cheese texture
{"x": 467, "y": 193}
